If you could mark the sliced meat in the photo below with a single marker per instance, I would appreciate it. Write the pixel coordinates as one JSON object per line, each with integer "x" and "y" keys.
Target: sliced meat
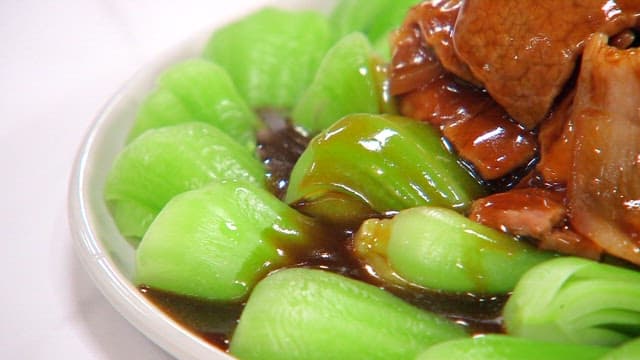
{"x": 524, "y": 51}
{"x": 425, "y": 36}
{"x": 556, "y": 145}
{"x": 565, "y": 241}
{"x": 413, "y": 63}
{"x": 444, "y": 101}
{"x": 534, "y": 213}
{"x": 480, "y": 131}
{"x": 495, "y": 145}
{"x": 436, "y": 21}
{"x": 527, "y": 212}
{"x": 604, "y": 191}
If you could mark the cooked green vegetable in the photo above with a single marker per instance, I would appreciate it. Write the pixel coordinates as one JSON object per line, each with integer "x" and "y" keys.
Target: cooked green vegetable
{"x": 272, "y": 55}
{"x": 501, "y": 347}
{"x": 389, "y": 20}
{"x": 365, "y": 164}
{"x": 348, "y": 81}
{"x": 574, "y": 300}
{"x": 376, "y": 18}
{"x": 313, "y": 314}
{"x": 167, "y": 161}
{"x": 440, "y": 249}
{"x": 626, "y": 351}
{"x": 197, "y": 90}
{"x": 355, "y": 15}
{"x": 214, "y": 243}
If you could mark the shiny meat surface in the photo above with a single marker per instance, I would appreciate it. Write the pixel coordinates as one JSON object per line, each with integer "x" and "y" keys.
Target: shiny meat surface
{"x": 480, "y": 131}
{"x": 556, "y": 145}
{"x": 424, "y": 44}
{"x": 535, "y": 213}
{"x": 490, "y": 141}
{"x": 528, "y": 212}
{"x": 436, "y": 21}
{"x": 604, "y": 191}
{"x": 444, "y": 100}
{"x": 524, "y": 51}
{"x": 414, "y": 63}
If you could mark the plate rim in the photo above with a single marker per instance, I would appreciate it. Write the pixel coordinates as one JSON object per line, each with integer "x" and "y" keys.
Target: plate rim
{"x": 85, "y": 219}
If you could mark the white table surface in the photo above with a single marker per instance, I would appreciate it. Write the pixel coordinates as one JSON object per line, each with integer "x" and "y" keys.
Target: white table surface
{"x": 60, "y": 61}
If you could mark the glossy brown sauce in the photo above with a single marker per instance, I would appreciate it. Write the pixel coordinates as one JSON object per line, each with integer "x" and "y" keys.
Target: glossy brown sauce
{"x": 213, "y": 322}
{"x": 279, "y": 149}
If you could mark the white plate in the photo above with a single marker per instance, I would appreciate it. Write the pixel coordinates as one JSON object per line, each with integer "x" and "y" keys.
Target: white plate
{"x": 105, "y": 254}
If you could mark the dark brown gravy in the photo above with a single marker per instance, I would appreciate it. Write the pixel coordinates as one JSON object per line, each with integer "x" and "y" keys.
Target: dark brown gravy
{"x": 279, "y": 149}
{"x": 211, "y": 321}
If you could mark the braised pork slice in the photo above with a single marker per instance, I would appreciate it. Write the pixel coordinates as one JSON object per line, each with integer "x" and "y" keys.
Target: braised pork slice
{"x": 536, "y": 213}
{"x": 414, "y": 64}
{"x": 436, "y": 20}
{"x": 555, "y": 137}
{"x": 524, "y": 51}
{"x": 528, "y": 212}
{"x": 604, "y": 191}
{"x": 425, "y": 36}
{"x": 479, "y": 130}
{"x": 443, "y": 101}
